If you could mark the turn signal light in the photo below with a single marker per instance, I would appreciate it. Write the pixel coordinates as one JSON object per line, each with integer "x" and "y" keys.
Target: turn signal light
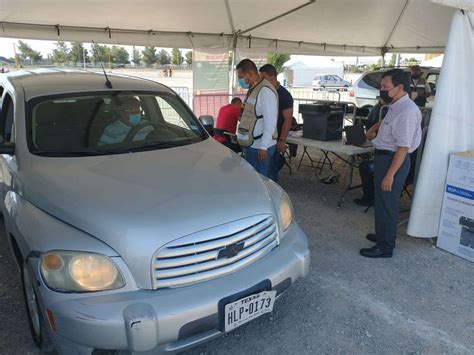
{"x": 52, "y": 321}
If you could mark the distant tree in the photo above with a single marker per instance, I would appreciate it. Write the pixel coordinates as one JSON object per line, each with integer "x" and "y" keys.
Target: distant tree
{"x": 100, "y": 53}
{"x": 411, "y": 61}
{"x": 188, "y": 57}
{"x": 176, "y": 58}
{"x": 136, "y": 56}
{"x": 149, "y": 55}
{"x": 164, "y": 57}
{"x": 77, "y": 52}
{"x": 119, "y": 55}
{"x": 393, "y": 60}
{"x": 374, "y": 66}
{"x": 278, "y": 60}
{"x": 28, "y": 53}
{"x": 60, "y": 53}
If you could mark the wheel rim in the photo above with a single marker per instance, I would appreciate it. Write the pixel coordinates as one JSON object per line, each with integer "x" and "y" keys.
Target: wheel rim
{"x": 31, "y": 302}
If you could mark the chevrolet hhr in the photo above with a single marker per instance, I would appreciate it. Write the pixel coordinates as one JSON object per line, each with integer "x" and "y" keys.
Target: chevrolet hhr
{"x": 134, "y": 231}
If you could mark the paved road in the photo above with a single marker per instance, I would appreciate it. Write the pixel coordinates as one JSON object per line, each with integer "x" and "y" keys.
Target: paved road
{"x": 420, "y": 301}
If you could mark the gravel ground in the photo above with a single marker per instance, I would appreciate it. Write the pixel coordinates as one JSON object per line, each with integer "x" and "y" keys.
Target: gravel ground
{"x": 419, "y": 301}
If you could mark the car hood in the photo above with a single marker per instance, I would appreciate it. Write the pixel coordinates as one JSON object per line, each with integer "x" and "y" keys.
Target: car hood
{"x": 137, "y": 202}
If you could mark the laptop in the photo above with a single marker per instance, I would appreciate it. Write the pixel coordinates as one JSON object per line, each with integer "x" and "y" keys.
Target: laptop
{"x": 355, "y": 135}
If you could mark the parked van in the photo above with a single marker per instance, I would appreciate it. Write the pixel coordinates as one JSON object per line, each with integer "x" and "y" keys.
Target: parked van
{"x": 366, "y": 89}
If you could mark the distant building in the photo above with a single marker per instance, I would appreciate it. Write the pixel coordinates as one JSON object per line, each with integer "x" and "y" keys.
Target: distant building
{"x": 301, "y": 70}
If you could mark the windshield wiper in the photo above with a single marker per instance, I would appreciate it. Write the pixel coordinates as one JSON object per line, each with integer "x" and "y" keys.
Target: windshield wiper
{"x": 149, "y": 146}
{"x": 73, "y": 153}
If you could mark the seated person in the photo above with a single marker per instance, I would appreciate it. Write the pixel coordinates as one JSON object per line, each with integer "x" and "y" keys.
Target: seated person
{"x": 374, "y": 114}
{"x": 127, "y": 115}
{"x": 227, "y": 119}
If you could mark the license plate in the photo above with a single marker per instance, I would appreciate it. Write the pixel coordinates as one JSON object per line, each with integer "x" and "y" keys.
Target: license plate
{"x": 248, "y": 308}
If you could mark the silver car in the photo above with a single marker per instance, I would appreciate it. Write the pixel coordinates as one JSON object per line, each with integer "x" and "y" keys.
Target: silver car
{"x": 330, "y": 82}
{"x": 133, "y": 229}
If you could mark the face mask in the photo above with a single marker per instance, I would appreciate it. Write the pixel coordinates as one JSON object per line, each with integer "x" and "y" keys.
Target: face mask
{"x": 243, "y": 84}
{"x": 415, "y": 76}
{"x": 385, "y": 96}
{"x": 135, "y": 118}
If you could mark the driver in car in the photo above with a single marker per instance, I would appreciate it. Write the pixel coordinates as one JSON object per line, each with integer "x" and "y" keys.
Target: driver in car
{"x": 128, "y": 119}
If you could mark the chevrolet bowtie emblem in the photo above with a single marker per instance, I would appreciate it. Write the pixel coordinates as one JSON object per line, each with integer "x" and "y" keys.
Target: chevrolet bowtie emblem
{"x": 230, "y": 251}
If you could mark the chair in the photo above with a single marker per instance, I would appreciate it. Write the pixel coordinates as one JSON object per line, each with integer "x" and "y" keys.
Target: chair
{"x": 418, "y": 158}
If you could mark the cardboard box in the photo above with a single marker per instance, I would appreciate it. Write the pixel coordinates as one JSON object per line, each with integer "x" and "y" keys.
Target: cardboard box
{"x": 456, "y": 227}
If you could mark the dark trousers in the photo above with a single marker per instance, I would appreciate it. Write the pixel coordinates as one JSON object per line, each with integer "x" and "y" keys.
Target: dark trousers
{"x": 386, "y": 203}
{"x": 276, "y": 163}
{"x": 366, "y": 171}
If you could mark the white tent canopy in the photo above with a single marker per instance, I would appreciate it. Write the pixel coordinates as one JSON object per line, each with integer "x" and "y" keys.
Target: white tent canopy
{"x": 327, "y": 27}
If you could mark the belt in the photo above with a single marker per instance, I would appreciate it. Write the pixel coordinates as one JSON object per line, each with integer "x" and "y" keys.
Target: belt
{"x": 383, "y": 152}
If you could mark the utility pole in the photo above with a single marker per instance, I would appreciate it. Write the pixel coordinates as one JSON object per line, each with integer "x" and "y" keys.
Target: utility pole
{"x": 17, "y": 64}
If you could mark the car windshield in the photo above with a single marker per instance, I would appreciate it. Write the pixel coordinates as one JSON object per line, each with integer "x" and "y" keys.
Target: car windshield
{"x": 109, "y": 123}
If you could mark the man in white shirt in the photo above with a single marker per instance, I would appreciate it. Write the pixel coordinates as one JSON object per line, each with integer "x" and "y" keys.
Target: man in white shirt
{"x": 257, "y": 128}
{"x": 394, "y": 138}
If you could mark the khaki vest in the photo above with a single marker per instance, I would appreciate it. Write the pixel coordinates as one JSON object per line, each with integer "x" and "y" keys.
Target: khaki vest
{"x": 419, "y": 89}
{"x": 249, "y": 117}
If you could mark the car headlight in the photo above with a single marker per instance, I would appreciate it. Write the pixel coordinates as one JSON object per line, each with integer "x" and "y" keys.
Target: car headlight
{"x": 80, "y": 272}
{"x": 286, "y": 211}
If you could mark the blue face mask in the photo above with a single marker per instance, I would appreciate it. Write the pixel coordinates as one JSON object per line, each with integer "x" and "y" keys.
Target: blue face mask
{"x": 243, "y": 84}
{"x": 135, "y": 118}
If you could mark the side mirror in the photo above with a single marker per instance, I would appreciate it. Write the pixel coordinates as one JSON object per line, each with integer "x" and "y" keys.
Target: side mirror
{"x": 6, "y": 148}
{"x": 208, "y": 122}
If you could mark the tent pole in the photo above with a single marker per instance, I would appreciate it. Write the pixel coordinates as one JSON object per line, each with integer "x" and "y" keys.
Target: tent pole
{"x": 279, "y": 16}
{"x": 229, "y": 15}
{"x": 232, "y": 71}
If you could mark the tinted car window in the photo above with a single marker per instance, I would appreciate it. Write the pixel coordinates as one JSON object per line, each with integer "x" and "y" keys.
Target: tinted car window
{"x": 104, "y": 123}
{"x": 371, "y": 81}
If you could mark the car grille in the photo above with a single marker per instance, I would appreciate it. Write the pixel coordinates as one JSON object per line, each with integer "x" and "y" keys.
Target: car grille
{"x": 214, "y": 252}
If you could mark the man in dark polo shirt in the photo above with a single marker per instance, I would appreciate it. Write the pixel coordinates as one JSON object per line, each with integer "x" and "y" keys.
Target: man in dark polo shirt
{"x": 394, "y": 138}
{"x": 285, "y": 115}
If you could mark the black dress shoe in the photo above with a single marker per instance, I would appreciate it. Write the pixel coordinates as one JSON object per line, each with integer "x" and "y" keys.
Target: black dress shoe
{"x": 371, "y": 237}
{"x": 364, "y": 202}
{"x": 374, "y": 252}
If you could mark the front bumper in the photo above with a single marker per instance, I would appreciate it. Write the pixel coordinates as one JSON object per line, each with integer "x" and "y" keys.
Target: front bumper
{"x": 166, "y": 320}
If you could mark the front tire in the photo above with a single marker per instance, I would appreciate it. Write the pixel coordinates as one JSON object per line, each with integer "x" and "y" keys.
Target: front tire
{"x": 38, "y": 329}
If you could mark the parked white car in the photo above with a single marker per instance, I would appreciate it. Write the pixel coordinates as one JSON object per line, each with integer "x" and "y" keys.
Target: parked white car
{"x": 366, "y": 89}
{"x": 134, "y": 231}
{"x": 329, "y": 82}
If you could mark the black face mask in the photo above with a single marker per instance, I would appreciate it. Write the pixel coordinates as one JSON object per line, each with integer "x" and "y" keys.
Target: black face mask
{"x": 384, "y": 96}
{"x": 415, "y": 76}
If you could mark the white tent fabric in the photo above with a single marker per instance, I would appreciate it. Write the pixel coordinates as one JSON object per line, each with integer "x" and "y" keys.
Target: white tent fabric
{"x": 451, "y": 127}
{"x": 327, "y": 27}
